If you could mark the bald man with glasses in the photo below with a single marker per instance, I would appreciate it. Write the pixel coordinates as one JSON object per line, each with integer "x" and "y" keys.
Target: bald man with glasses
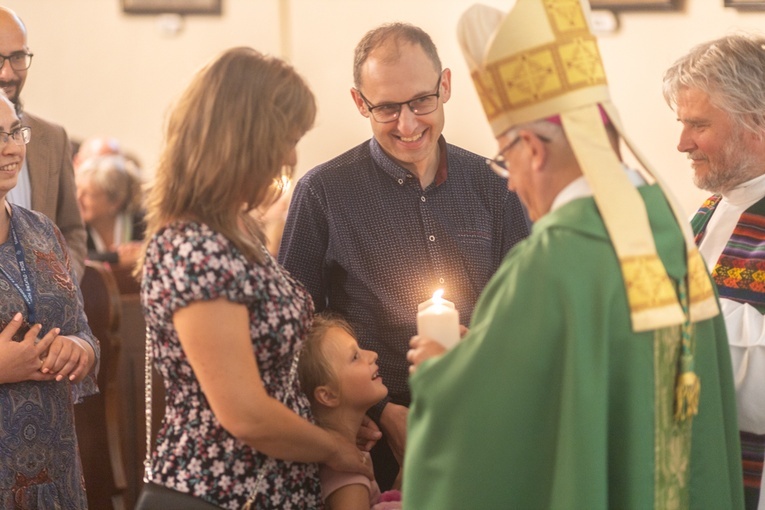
{"x": 378, "y": 229}
{"x": 46, "y": 181}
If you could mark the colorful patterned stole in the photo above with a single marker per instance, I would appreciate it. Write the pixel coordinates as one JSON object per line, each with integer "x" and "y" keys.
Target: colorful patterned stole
{"x": 702, "y": 217}
{"x": 740, "y": 276}
{"x": 740, "y": 270}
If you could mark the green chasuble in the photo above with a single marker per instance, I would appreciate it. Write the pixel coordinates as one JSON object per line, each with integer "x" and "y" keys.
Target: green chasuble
{"x": 552, "y": 401}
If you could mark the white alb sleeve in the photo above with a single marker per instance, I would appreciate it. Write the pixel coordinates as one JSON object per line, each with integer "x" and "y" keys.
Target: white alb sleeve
{"x": 746, "y": 337}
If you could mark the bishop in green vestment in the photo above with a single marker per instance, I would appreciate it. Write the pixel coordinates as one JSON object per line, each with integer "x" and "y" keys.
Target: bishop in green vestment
{"x": 552, "y": 401}
{"x": 596, "y": 373}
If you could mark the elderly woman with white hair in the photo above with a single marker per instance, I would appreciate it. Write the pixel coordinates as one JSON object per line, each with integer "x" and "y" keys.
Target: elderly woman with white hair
{"x": 109, "y": 197}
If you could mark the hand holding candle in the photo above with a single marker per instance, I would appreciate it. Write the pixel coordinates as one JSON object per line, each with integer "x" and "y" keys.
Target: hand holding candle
{"x": 438, "y": 319}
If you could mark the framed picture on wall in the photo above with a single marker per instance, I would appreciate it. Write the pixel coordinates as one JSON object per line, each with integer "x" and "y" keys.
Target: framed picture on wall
{"x": 171, "y": 6}
{"x": 752, "y": 5}
{"x": 636, "y": 5}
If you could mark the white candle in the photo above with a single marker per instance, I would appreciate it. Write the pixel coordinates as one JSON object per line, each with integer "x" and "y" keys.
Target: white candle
{"x": 438, "y": 319}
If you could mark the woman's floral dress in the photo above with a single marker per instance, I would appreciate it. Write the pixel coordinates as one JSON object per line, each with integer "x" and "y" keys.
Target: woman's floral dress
{"x": 187, "y": 262}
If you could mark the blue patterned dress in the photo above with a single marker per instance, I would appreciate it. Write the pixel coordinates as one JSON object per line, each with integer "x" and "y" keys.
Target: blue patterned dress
{"x": 39, "y": 457}
{"x": 188, "y": 262}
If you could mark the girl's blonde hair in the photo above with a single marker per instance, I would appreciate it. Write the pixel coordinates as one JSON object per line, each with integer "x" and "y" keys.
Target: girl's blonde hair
{"x": 314, "y": 369}
{"x": 226, "y": 141}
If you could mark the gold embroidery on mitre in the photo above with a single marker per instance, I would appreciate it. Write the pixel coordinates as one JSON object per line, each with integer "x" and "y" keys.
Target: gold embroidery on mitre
{"x": 570, "y": 62}
{"x": 539, "y": 74}
{"x": 490, "y": 97}
{"x": 581, "y": 62}
{"x": 530, "y": 77}
{"x": 565, "y": 16}
{"x": 647, "y": 282}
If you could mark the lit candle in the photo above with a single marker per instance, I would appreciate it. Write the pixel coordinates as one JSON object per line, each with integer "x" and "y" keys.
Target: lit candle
{"x": 438, "y": 319}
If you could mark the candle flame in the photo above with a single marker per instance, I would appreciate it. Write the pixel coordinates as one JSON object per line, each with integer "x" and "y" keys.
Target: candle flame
{"x": 438, "y": 296}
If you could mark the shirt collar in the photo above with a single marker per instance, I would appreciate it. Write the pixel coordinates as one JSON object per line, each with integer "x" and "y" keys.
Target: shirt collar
{"x": 441, "y": 170}
{"x": 401, "y": 174}
{"x": 747, "y": 193}
{"x": 579, "y": 188}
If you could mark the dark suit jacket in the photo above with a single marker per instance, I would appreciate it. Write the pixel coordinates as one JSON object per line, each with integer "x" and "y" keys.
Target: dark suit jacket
{"x": 51, "y": 176}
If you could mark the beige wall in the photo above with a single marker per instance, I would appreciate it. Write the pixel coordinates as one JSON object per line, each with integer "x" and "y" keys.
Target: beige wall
{"x": 97, "y": 70}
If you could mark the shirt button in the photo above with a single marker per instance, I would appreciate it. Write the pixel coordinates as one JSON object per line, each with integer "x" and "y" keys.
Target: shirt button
{"x": 432, "y": 238}
{"x": 422, "y": 198}
{"x": 401, "y": 181}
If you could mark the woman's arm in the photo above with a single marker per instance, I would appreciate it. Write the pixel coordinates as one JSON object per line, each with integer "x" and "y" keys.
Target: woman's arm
{"x": 215, "y": 335}
{"x": 74, "y": 354}
{"x": 349, "y": 497}
{"x": 69, "y": 357}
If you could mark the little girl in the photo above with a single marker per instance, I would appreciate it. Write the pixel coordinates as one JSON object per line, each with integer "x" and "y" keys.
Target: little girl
{"x": 342, "y": 382}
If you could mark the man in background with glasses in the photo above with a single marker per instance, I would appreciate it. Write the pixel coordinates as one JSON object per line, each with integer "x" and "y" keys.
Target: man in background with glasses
{"x": 46, "y": 182}
{"x": 375, "y": 231}
{"x": 597, "y": 363}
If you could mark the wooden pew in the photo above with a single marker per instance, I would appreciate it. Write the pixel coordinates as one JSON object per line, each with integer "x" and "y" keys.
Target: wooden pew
{"x": 132, "y": 331}
{"x": 126, "y": 282}
{"x": 98, "y": 422}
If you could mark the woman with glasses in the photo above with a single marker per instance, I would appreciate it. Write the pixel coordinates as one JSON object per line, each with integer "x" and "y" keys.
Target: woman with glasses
{"x": 224, "y": 321}
{"x": 48, "y": 355}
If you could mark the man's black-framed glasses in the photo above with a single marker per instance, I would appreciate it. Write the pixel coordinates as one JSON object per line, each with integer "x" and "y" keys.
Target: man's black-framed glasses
{"x": 20, "y": 136}
{"x": 19, "y": 61}
{"x": 498, "y": 163}
{"x": 388, "y": 112}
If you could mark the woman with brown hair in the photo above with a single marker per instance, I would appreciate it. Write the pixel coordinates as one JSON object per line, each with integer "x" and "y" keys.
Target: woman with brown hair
{"x": 225, "y": 322}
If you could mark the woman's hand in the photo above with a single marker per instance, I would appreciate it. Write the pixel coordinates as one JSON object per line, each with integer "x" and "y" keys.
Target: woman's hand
{"x": 368, "y": 435}
{"x": 68, "y": 357}
{"x": 128, "y": 253}
{"x": 422, "y": 348}
{"x": 23, "y": 361}
{"x": 348, "y": 458}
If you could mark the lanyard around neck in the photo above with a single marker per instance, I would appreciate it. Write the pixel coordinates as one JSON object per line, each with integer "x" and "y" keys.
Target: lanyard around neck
{"x": 26, "y": 286}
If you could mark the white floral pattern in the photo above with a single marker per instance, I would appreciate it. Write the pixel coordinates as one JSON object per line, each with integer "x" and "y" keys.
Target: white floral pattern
{"x": 187, "y": 262}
